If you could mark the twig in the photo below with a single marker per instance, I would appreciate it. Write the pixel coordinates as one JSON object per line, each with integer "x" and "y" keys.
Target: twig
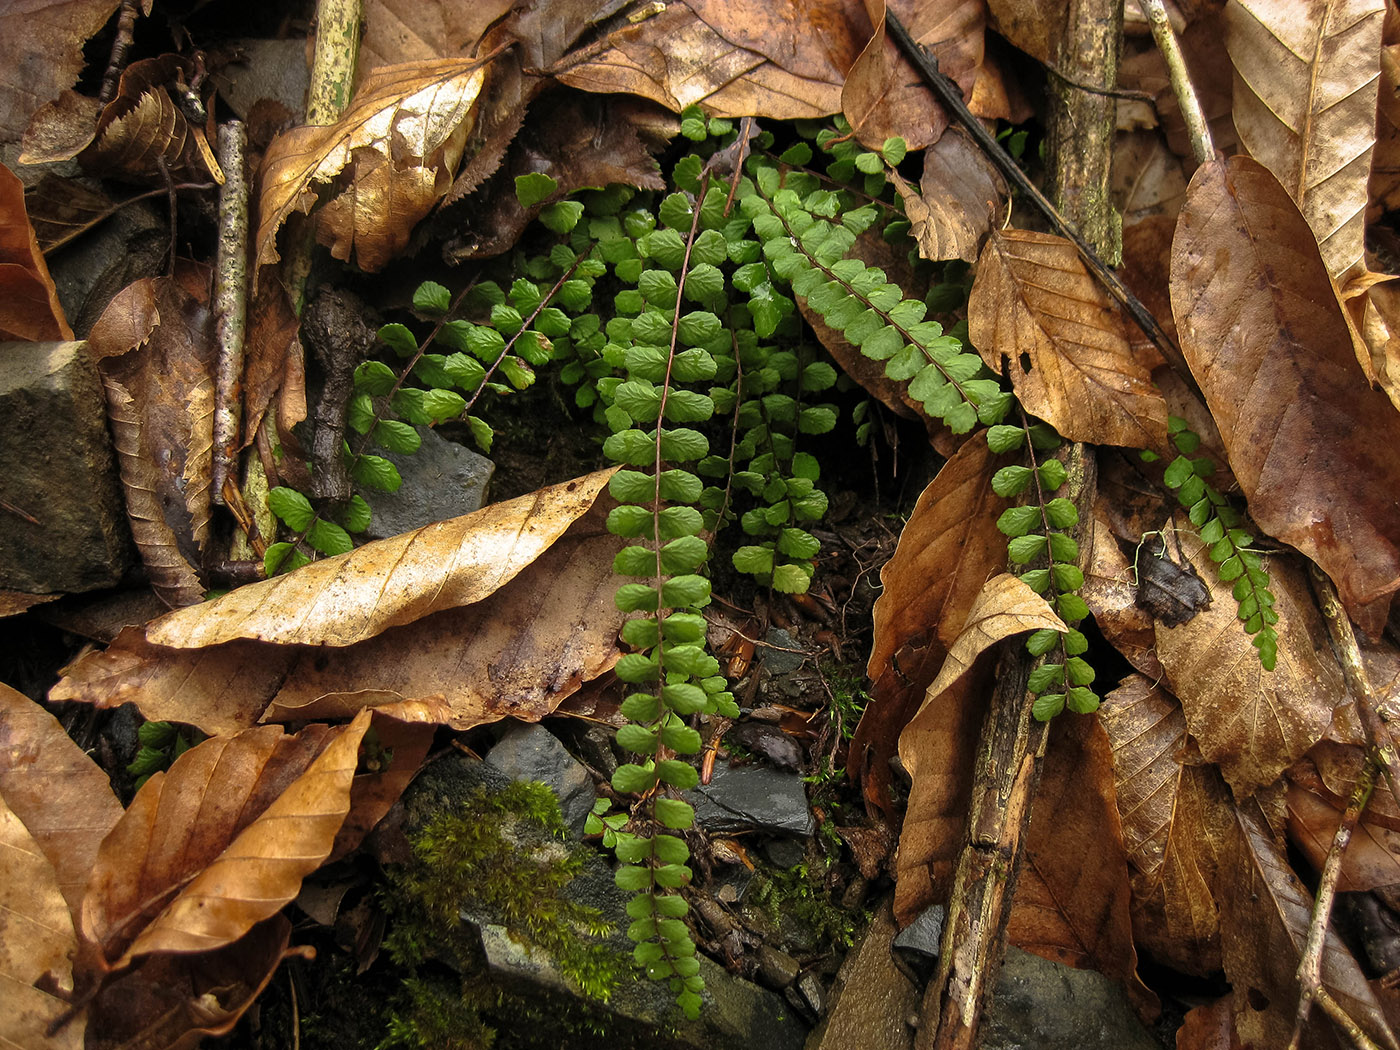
{"x": 1201, "y": 146}
{"x": 1310, "y": 966}
{"x": 121, "y": 44}
{"x": 951, "y": 96}
{"x": 230, "y": 301}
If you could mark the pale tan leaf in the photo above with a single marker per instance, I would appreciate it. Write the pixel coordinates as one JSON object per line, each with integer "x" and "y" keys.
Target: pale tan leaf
{"x": 1147, "y": 732}
{"x": 218, "y": 843}
{"x": 948, "y": 547}
{"x": 1264, "y": 915}
{"x": 960, "y": 198}
{"x": 1306, "y": 77}
{"x": 59, "y": 793}
{"x": 1004, "y": 607}
{"x": 343, "y": 600}
{"x": 36, "y": 940}
{"x": 1253, "y": 723}
{"x": 519, "y": 652}
{"x": 1071, "y": 902}
{"x": 1260, "y": 326}
{"x": 1035, "y": 306}
{"x": 410, "y": 114}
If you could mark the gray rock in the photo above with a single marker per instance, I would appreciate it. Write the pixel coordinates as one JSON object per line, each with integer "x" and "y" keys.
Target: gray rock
{"x": 265, "y": 69}
{"x": 740, "y": 797}
{"x": 59, "y": 471}
{"x": 532, "y": 752}
{"x": 776, "y": 969}
{"x": 641, "y": 1014}
{"x": 779, "y": 660}
{"x": 918, "y": 943}
{"x": 785, "y": 853}
{"x": 1054, "y": 1007}
{"x": 872, "y": 1001}
{"x": 441, "y": 480}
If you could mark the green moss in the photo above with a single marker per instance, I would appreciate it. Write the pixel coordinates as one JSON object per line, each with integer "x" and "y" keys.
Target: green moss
{"x": 501, "y": 855}
{"x": 798, "y": 895}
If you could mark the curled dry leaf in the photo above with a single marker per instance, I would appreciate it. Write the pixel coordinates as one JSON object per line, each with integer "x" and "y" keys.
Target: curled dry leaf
{"x": 41, "y": 53}
{"x": 401, "y": 138}
{"x": 29, "y": 306}
{"x": 948, "y": 547}
{"x": 1035, "y": 306}
{"x": 1306, "y": 76}
{"x": 519, "y": 652}
{"x": 1264, "y": 912}
{"x": 1253, "y": 723}
{"x": 51, "y": 785}
{"x": 346, "y": 599}
{"x": 37, "y": 943}
{"x": 217, "y": 844}
{"x": 160, "y": 402}
{"x": 1071, "y": 902}
{"x": 960, "y": 198}
{"x": 1309, "y": 442}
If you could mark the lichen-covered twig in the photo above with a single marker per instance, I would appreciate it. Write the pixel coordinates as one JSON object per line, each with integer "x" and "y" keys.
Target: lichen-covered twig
{"x": 230, "y": 302}
{"x": 1201, "y": 146}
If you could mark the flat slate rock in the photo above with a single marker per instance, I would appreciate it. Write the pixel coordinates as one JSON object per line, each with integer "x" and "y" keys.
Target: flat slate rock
{"x": 532, "y": 752}
{"x": 441, "y": 480}
{"x": 59, "y": 470}
{"x": 741, "y": 797}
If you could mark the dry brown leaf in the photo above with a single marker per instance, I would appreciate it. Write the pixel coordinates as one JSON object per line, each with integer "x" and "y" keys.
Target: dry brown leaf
{"x": 518, "y": 652}
{"x": 961, "y": 197}
{"x": 1035, "y": 306}
{"x": 1306, "y": 77}
{"x": 1111, "y": 591}
{"x": 41, "y": 53}
{"x": 414, "y": 118}
{"x": 156, "y": 351}
{"x": 218, "y": 843}
{"x": 398, "y": 31}
{"x": 343, "y": 600}
{"x": 1034, "y": 26}
{"x": 1383, "y": 189}
{"x": 1310, "y": 444}
{"x": 948, "y": 548}
{"x": 1209, "y": 1027}
{"x": 59, "y": 793}
{"x": 64, "y": 209}
{"x": 1264, "y": 916}
{"x": 1147, "y": 178}
{"x": 273, "y": 356}
{"x": 36, "y": 940}
{"x": 1251, "y": 722}
{"x": 1071, "y": 902}
{"x": 1330, "y": 771}
{"x": 29, "y": 306}
{"x": 939, "y": 747}
{"x": 1372, "y": 857}
{"x": 1004, "y": 607}
{"x": 1147, "y": 263}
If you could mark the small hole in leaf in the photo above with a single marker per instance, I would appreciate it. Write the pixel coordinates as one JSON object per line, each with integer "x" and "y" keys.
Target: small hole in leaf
{"x": 1026, "y": 363}
{"x": 1257, "y": 999}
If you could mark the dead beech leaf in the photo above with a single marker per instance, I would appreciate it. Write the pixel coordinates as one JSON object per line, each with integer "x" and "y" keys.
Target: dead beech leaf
{"x": 1035, "y": 306}
{"x": 1372, "y": 857}
{"x": 1264, "y": 916}
{"x": 1005, "y": 607}
{"x": 1309, "y": 442}
{"x": 413, "y": 118}
{"x": 1112, "y": 596}
{"x": 41, "y": 53}
{"x": 346, "y": 599}
{"x": 1034, "y": 26}
{"x": 59, "y": 793}
{"x": 1253, "y": 723}
{"x": 1383, "y": 189}
{"x": 518, "y": 652}
{"x": 218, "y": 843}
{"x": 29, "y": 306}
{"x": 960, "y": 198}
{"x": 38, "y": 940}
{"x": 398, "y": 31}
{"x": 1071, "y": 902}
{"x": 155, "y": 348}
{"x": 948, "y": 547}
{"x": 1330, "y": 771}
{"x": 1306, "y": 76}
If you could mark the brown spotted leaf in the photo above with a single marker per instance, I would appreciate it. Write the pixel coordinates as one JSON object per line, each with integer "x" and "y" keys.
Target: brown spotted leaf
{"x": 50, "y": 784}
{"x": 346, "y": 599}
{"x": 1309, "y": 442}
{"x": 1036, "y": 307}
{"x": 1251, "y": 722}
{"x": 1306, "y": 76}
{"x": 400, "y": 139}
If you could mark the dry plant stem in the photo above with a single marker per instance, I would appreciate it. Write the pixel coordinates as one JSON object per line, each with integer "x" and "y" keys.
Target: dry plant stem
{"x": 230, "y": 301}
{"x": 1310, "y": 966}
{"x": 1381, "y": 748}
{"x": 1201, "y": 146}
{"x": 1005, "y": 776}
{"x": 121, "y": 44}
{"x": 951, "y": 97}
